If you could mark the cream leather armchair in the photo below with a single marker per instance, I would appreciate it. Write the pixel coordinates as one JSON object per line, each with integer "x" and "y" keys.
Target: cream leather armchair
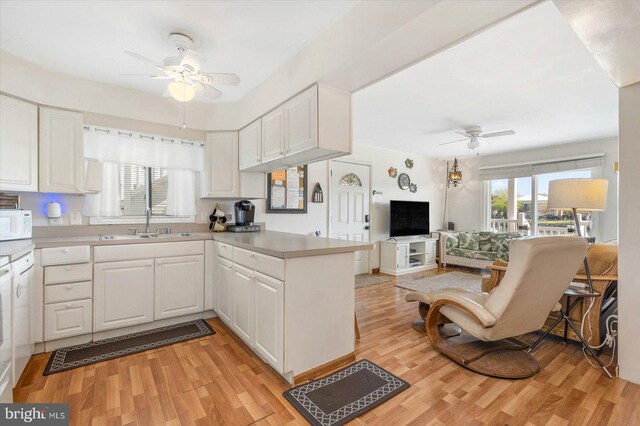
{"x": 540, "y": 270}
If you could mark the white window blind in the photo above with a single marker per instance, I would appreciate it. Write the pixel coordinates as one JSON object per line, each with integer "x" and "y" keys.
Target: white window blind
{"x": 512, "y": 171}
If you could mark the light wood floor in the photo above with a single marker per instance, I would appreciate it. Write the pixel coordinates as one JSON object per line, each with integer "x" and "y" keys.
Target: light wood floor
{"x": 216, "y": 380}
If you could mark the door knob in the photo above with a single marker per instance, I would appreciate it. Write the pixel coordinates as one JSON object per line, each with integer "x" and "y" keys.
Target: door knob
{"x": 366, "y": 227}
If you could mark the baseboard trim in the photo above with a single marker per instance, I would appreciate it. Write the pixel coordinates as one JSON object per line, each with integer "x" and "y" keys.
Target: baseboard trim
{"x": 323, "y": 369}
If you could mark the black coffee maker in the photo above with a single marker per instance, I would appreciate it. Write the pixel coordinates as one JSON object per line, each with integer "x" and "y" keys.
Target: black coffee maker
{"x": 244, "y": 212}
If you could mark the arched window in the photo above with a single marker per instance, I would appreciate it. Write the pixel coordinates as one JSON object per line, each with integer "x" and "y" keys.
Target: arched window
{"x": 350, "y": 179}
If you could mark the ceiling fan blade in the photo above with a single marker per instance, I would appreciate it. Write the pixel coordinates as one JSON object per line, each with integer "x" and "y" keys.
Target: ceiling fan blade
{"x": 463, "y": 134}
{"x": 212, "y": 93}
{"x": 494, "y": 134}
{"x": 459, "y": 140}
{"x": 223, "y": 79}
{"x": 141, "y": 58}
{"x": 194, "y": 59}
{"x": 157, "y": 77}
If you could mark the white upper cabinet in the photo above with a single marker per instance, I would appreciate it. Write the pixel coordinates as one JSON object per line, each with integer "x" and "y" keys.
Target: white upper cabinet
{"x": 222, "y": 177}
{"x": 250, "y": 145}
{"x": 273, "y": 135}
{"x": 18, "y": 145}
{"x": 61, "y": 151}
{"x": 221, "y": 165}
{"x": 312, "y": 126}
{"x": 301, "y": 122}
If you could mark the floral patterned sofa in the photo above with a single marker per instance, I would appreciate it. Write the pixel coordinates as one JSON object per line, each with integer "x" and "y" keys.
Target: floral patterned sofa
{"x": 475, "y": 249}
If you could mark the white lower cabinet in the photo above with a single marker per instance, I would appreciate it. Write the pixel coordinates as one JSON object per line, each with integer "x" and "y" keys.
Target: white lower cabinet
{"x": 242, "y": 296}
{"x": 268, "y": 320}
{"x": 179, "y": 286}
{"x": 252, "y": 305}
{"x": 67, "y": 319}
{"x": 123, "y": 293}
{"x": 225, "y": 279}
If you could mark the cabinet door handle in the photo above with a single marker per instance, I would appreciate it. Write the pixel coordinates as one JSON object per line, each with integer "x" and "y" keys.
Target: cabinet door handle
{"x": 68, "y": 268}
{"x": 68, "y": 305}
{"x": 66, "y": 250}
{"x": 68, "y": 286}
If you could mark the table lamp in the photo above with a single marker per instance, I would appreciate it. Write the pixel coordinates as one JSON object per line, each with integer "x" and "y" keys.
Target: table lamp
{"x": 578, "y": 194}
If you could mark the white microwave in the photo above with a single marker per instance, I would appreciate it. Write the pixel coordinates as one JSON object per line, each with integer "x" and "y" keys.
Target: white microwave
{"x": 15, "y": 224}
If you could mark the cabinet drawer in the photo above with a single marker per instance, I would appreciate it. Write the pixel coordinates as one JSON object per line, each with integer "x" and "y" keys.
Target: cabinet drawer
{"x": 67, "y": 292}
{"x": 67, "y": 273}
{"x": 64, "y": 255}
{"x": 268, "y": 265}
{"x": 225, "y": 250}
{"x": 67, "y": 319}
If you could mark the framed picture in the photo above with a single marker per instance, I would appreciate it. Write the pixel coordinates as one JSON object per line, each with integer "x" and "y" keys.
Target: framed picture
{"x": 287, "y": 190}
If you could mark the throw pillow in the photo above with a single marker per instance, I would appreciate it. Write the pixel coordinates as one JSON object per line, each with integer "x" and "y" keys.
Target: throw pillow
{"x": 484, "y": 240}
{"x": 469, "y": 241}
{"x": 452, "y": 242}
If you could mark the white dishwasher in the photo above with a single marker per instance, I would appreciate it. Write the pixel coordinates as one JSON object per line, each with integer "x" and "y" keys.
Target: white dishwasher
{"x": 6, "y": 385}
{"x": 21, "y": 340}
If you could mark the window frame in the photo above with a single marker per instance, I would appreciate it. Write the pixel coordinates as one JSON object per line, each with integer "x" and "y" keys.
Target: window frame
{"x": 596, "y": 172}
{"x": 142, "y": 219}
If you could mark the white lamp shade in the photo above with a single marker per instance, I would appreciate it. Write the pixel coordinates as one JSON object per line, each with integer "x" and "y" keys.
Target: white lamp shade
{"x": 580, "y": 194}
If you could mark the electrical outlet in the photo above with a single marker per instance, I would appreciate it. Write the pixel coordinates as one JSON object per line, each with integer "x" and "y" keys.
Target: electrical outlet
{"x": 75, "y": 218}
{"x": 55, "y": 221}
{"x": 229, "y": 217}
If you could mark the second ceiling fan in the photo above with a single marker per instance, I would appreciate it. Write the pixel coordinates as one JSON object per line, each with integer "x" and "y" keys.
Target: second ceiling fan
{"x": 473, "y": 133}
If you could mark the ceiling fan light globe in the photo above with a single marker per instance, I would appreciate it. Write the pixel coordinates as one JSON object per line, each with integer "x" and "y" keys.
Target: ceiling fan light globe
{"x": 181, "y": 92}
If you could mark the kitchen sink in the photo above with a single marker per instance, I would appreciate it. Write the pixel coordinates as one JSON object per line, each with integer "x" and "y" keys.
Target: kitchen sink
{"x": 119, "y": 237}
{"x": 144, "y": 236}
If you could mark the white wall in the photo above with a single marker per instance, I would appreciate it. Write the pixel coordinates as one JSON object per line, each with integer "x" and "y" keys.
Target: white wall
{"x": 629, "y": 241}
{"x": 466, "y": 202}
{"x": 426, "y": 174}
{"x": 31, "y": 82}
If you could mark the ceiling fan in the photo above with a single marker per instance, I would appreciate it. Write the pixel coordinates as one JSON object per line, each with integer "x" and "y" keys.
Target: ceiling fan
{"x": 185, "y": 71}
{"x": 471, "y": 134}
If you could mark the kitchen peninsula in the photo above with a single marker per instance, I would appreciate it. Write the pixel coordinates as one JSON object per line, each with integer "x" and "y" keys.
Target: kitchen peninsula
{"x": 289, "y": 297}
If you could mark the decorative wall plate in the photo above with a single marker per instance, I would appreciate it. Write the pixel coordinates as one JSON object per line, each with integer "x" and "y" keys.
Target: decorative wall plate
{"x": 413, "y": 187}
{"x": 393, "y": 172}
{"x": 409, "y": 163}
{"x": 404, "y": 181}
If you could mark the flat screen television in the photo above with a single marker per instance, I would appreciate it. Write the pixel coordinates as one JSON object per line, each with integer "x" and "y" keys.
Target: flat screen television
{"x": 408, "y": 218}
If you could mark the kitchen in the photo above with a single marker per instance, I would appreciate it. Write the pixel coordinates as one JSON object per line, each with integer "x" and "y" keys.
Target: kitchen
{"x": 76, "y": 284}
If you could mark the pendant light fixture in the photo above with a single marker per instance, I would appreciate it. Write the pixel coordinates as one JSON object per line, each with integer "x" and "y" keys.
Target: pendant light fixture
{"x": 454, "y": 176}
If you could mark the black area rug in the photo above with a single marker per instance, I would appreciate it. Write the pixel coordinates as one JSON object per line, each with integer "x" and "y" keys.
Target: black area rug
{"x": 103, "y": 350}
{"x": 346, "y": 394}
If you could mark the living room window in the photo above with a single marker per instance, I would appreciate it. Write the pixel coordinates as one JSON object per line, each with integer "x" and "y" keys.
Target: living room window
{"x": 517, "y": 196}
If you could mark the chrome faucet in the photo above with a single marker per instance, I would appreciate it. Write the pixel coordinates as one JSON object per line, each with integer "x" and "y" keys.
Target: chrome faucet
{"x": 146, "y": 228}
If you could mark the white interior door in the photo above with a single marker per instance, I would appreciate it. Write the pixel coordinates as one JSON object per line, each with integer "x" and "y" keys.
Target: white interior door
{"x": 350, "y": 207}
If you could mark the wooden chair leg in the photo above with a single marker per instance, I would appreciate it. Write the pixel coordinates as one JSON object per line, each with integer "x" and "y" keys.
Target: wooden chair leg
{"x": 355, "y": 323}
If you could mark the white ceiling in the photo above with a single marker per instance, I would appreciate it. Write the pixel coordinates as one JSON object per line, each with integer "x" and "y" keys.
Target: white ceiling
{"x": 87, "y": 39}
{"x": 529, "y": 73}
{"x": 611, "y": 31}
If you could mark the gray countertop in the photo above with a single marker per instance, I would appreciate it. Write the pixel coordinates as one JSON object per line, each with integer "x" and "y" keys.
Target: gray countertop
{"x": 15, "y": 249}
{"x": 286, "y": 245}
{"x": 272, "y": 243}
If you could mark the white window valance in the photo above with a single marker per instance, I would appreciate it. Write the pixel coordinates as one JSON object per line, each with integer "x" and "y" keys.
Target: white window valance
{"x": 524, "y": 169}
{"x": 128, "y": 147}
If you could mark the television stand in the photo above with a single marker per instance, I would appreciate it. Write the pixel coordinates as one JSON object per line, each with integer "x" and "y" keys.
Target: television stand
{"x": 407, "y": 255}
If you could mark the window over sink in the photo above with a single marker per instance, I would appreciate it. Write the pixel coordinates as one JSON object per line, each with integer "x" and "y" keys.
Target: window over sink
{"x": 140, "y": 172}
